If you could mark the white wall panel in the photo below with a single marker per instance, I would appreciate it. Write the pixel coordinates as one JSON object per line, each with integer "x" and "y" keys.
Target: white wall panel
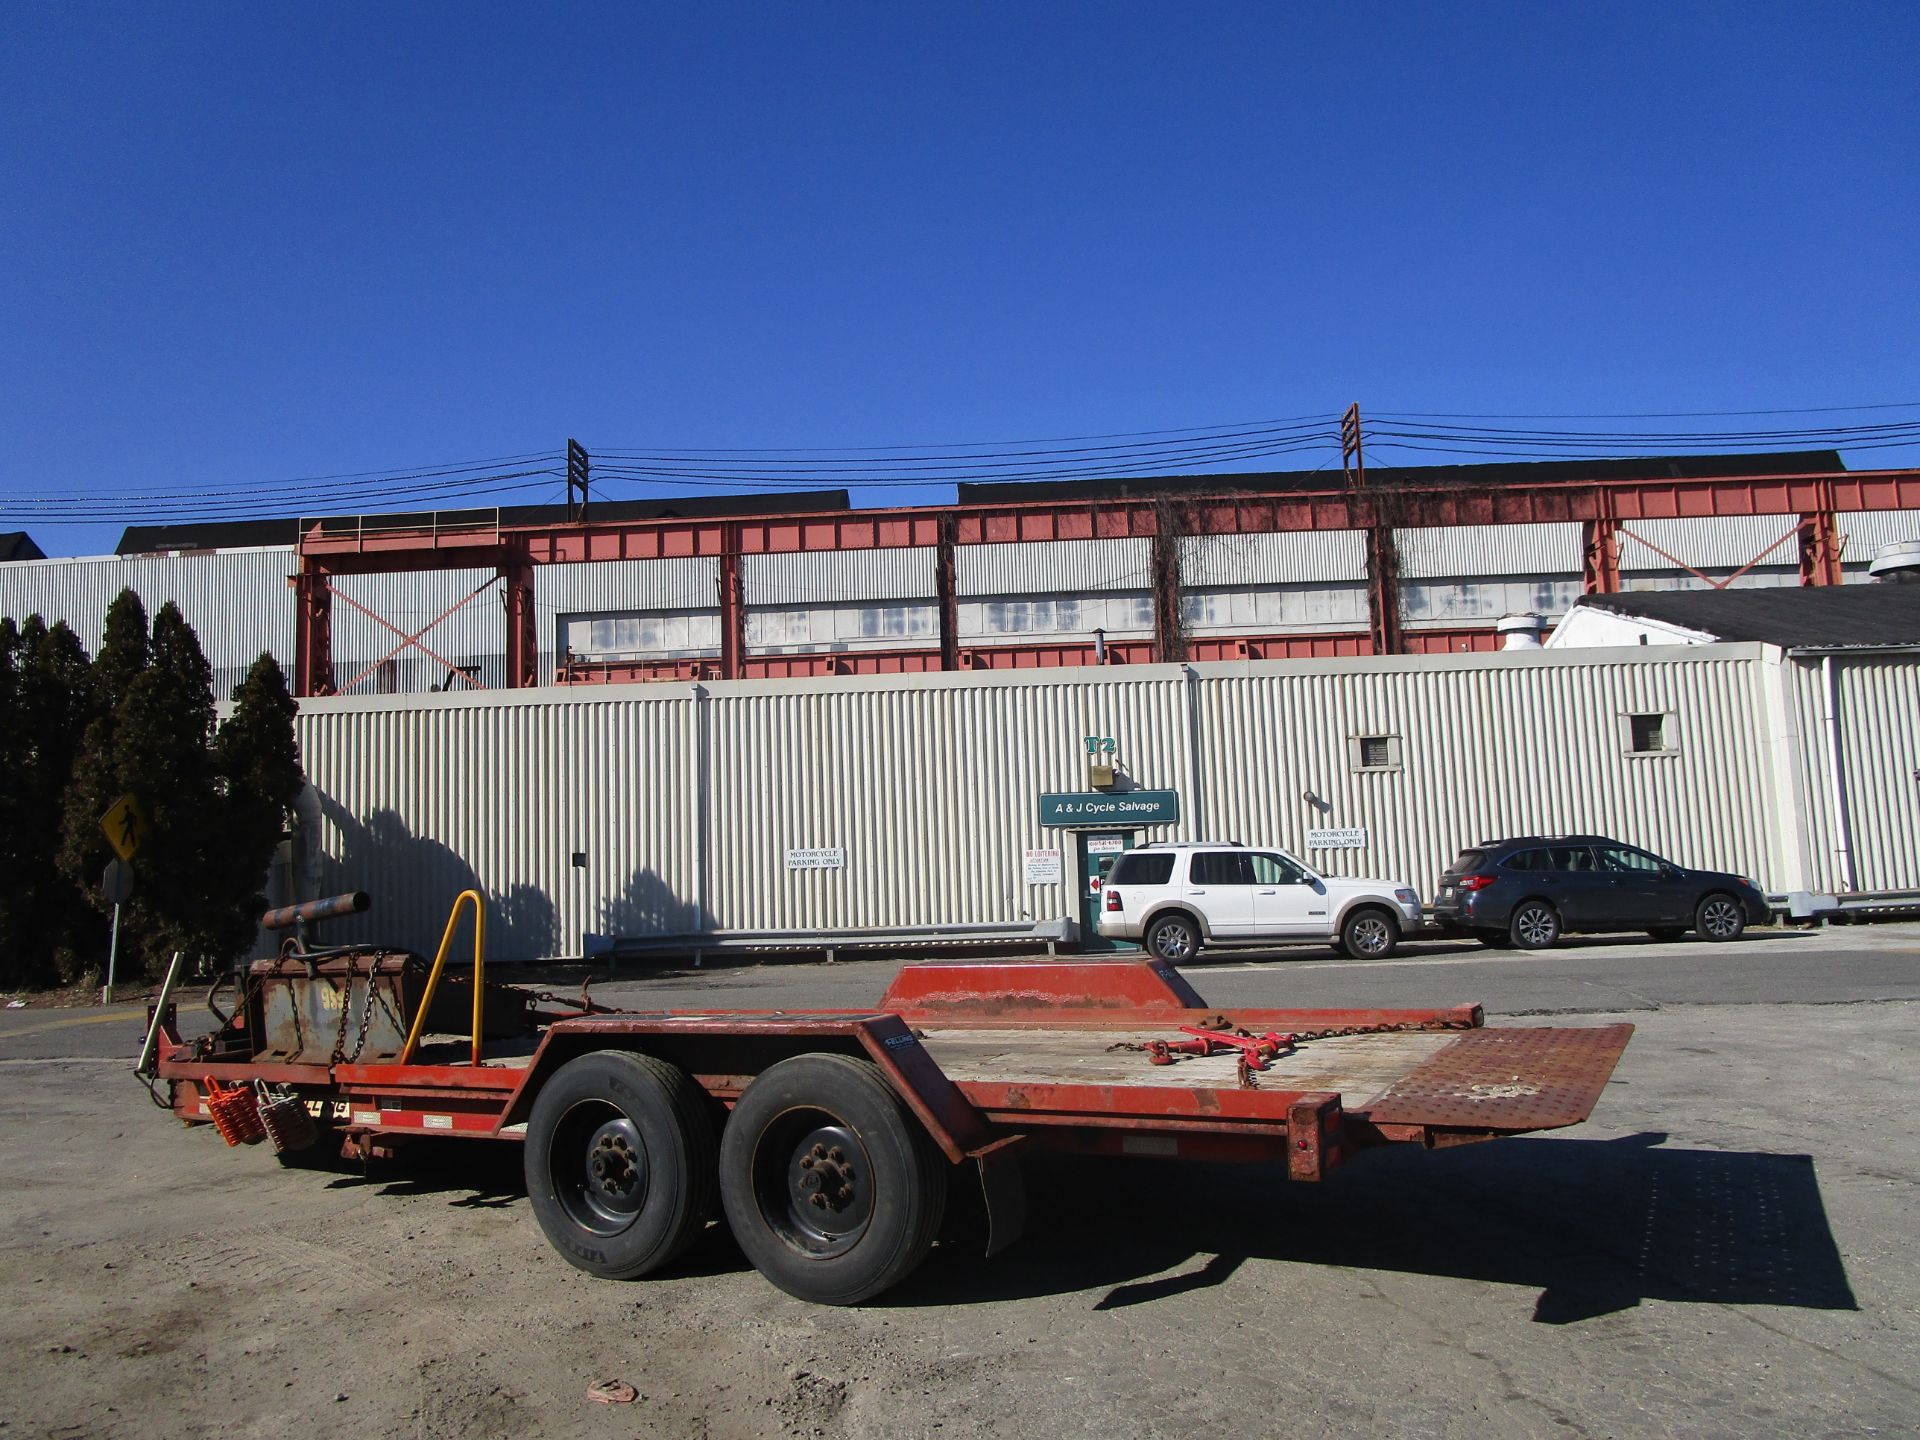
{"x": 1275, "y": 608}
{"x": 428, "y": 795}
{"x": 1508, "y": 748}
{"x": 1879, "y": 732}
{"x": 831, "y": 577}
{"x": 1321, "y": 557}
{"x": 1444, "y": 602}
{"x": 1053, "y": 567}
{"x": 929, "y": 784}
{"x": 1461, "y": 551}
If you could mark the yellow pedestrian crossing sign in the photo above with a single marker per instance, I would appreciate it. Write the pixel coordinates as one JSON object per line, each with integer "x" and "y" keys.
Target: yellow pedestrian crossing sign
{"x": 126, "y": 826}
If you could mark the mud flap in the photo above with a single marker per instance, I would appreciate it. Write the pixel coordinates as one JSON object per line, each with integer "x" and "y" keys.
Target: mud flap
{"x": 1004, "y": 1188}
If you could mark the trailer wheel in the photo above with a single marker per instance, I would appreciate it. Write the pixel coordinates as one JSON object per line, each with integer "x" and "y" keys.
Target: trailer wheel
{"x": 621, "y": 1162}
{"x": 832, "y": 1187}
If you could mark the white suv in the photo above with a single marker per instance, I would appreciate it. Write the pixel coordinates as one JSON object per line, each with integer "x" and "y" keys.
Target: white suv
{"x": 1175, "y": 898}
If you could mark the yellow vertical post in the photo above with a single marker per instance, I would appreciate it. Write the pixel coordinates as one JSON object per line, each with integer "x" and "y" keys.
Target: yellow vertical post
{"x": 439, "y": 963}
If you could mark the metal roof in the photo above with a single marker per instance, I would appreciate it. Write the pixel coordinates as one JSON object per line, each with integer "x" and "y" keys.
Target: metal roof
{"x": 1792, "y": 616}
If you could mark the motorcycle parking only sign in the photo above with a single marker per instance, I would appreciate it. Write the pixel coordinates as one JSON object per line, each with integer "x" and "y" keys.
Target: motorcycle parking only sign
{"x": 1336, "y": 839}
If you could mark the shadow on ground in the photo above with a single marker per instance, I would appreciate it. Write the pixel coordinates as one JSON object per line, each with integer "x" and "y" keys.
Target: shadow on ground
{"x": 1595, "y": 1226}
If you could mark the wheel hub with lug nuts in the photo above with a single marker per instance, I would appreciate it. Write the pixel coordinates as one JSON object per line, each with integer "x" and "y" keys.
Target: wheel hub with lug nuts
{"x": 613, "y": 1164}
{"x": 829, "y": 1192}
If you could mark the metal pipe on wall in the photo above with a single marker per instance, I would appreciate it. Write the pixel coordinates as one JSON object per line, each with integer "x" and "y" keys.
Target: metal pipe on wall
{"x": 1842, "y": 840}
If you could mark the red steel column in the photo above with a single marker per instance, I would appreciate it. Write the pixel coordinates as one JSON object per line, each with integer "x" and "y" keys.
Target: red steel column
{"x": 1169, "y": 635}
{"x": 523, "y": 631}
{"x": 312, "y": 632}
{"x": 947, "y": 592}
{"x": 1600, "y": 565}
{"x": 1383, "y": 590}
{"x": 733, "y": 608}
{"x": 1820, "y": 549}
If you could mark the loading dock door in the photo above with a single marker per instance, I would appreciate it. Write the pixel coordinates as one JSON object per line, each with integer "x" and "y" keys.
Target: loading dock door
{"x": 1097, "y": 850}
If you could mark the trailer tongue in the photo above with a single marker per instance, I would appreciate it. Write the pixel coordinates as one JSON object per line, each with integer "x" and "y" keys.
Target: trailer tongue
{"x": 829, "y": 1138}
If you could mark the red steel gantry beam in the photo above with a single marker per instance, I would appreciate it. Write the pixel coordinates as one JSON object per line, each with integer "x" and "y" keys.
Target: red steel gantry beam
{"x": 1602, "y": 506}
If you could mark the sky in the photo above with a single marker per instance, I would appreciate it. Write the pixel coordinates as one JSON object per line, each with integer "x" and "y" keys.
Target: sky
{"x": 245, "y": 244}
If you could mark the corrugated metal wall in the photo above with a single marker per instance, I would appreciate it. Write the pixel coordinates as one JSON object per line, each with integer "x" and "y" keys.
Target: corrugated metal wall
{"x": 930, "y": 784}
{"x": 1723, "y": 542}
{"x": 1879, "y": 715}
{"x": 1040, "y": 567}
{"x": 829, "y": 577}
{"x": 424, "y": 796}
{"x": 1319, "y": 557}
{"x": 1431, "y": 552}
{"x": 236, "y": 600}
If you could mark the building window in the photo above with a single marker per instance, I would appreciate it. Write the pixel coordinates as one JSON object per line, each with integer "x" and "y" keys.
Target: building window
{"x": 1376, "y": 752}
{"x": 1649, "y": 734}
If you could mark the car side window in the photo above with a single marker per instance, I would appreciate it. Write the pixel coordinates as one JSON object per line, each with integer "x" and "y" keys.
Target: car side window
{"x": 1526, "y": 860}
{"x": 1142, "y": 870}
{"x": 1221, "y": 867}
{"x": 1619, "y": 858}
{"x": 1572, "y": 857}
{"x": 1275, "y": 870}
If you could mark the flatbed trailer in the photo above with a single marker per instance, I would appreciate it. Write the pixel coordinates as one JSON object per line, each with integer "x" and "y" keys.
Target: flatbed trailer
{"x": 829, "y": 1138}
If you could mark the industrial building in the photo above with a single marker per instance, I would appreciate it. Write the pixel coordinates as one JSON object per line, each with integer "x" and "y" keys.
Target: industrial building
{"x": 843, "y": 719}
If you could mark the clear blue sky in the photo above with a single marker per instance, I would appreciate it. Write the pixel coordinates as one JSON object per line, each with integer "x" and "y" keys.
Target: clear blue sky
{"x": 241, "y": 244}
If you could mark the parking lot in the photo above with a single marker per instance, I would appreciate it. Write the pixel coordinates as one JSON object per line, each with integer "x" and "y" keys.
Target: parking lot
{"x": 1726, "y": 1248}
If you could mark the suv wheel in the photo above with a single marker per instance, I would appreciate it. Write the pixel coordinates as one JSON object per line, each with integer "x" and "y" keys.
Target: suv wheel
{"x": 1369, "y": 935}
{"x": 1173, "y": 938}
{"x": 1535, "y": 925}
{"x": 1720, "y": 918}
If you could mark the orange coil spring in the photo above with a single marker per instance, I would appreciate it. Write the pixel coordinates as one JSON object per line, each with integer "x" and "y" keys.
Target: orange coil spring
{"x": 236, "y": 1114}
{"x": 287, "y": 1122}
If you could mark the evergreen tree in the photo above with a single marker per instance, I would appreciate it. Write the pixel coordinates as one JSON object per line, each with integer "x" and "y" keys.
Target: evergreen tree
{"x": 96, "y": 782}
{"x": 161, "y": 752}
{"x": 15, "y": 947}
{"x": 258, "y": 763}
{"x": 44, "y": 694}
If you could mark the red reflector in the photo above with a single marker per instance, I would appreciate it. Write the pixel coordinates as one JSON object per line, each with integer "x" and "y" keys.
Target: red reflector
{"x": 1113, "y": 900}
{"x": 1476, "y": 882}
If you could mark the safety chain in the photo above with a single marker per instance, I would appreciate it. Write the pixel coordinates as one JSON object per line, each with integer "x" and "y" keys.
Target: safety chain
{"x": 1220, "y": 1024}
{"x": 340, "y": 1056}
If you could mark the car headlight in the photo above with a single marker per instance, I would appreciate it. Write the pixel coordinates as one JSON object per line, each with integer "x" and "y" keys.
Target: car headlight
{"x": 1406, "y": 896}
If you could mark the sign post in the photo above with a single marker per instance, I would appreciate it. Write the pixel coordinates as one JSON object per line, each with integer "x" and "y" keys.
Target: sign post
{"x": 116, "y": 883}
{"x": 125, "y": 824}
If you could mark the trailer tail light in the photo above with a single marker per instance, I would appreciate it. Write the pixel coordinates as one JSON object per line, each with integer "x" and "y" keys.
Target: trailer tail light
{"x": 1114, "y": 902}
{"x": 1475, "y": 882}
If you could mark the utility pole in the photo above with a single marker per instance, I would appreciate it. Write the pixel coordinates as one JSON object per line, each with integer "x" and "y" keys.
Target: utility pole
{"x": 1383, "y": 560}
{"x": 579, "y": 467}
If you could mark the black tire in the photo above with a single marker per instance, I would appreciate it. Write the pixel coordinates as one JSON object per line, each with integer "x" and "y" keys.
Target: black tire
{"x": 1369, "y": 933}
{"x": 833, "y": 1189}
{"x": 621, "y": 1162}
{"x": 1494, "y": 939}
{"x": 1174, "y": 938}
{"x": 1535, "y": 925}
{"x": 1667, "y": 932}
{"x": 1720, "y": 918}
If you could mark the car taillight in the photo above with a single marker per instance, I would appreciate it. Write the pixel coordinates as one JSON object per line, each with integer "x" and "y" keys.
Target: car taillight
{"x": 1475, "y": 882}
{"x": 1113, "y": 900}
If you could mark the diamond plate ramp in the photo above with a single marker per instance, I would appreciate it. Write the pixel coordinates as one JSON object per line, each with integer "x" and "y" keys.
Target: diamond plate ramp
{"x": 1506, "y": 1080}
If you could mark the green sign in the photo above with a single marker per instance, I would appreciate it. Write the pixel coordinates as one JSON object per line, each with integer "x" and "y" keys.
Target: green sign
{"x": 1096, "y": 809}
